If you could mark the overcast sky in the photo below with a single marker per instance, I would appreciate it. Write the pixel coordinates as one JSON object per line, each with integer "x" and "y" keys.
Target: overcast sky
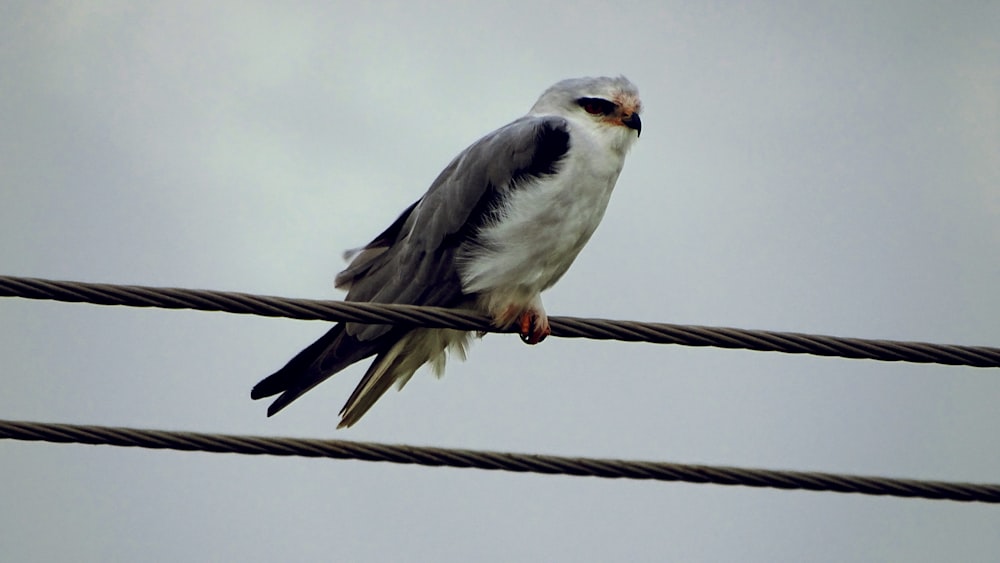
{"x": 829, "y": 168}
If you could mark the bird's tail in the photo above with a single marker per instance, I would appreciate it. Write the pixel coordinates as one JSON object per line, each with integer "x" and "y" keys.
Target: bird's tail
{"x": 333, "y": 352}
{"x": 388, "y": 368}
{"x": 397, "y": 363}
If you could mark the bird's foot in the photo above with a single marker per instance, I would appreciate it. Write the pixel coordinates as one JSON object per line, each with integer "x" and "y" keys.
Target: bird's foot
{"x": 533, "y": 326}
{"x": 529, "y": 320}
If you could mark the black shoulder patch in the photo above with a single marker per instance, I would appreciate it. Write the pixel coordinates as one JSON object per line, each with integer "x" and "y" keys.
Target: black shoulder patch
{"x": 551, "y": 145}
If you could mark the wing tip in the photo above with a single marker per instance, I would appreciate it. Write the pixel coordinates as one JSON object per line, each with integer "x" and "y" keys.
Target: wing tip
{"x": 275, "y": 407}
{"x": 269, "y": 386}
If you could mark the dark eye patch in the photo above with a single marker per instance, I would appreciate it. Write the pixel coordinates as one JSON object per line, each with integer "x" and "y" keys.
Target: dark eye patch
{"x": 597, "y": 106}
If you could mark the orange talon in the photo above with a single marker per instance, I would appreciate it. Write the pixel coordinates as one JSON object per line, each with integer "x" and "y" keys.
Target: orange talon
{"x": 526, "y": 327}
{"x": 531, "y": 331}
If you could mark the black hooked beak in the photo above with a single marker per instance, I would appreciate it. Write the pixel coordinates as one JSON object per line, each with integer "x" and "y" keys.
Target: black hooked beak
{"x": 633, "y": 122}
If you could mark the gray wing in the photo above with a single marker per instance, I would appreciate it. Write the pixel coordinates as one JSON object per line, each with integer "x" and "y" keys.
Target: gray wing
{"x": 413, "y": 261}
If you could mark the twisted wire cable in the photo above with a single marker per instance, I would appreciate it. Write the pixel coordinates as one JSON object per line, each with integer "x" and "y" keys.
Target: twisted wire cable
{"x": 567, "y": 327}
{"x": 499, "y": 461}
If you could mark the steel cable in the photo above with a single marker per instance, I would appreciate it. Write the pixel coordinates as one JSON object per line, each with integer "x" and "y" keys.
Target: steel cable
{"x": 500, "y": 461}
{"x": 568, "y": 327}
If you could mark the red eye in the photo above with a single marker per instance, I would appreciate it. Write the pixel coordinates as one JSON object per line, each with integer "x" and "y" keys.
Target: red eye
{"x": 596, "y": 106}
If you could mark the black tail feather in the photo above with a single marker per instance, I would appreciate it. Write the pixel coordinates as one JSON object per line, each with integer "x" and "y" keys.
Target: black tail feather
{"x": 331, "y": 353}
{"x": 282, "y": 379}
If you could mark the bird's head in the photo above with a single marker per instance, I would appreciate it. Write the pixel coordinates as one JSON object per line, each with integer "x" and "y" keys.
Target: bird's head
{"x": 609, "y": 105}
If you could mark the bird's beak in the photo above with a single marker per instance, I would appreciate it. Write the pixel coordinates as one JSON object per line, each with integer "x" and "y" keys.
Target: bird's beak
{"x": 633, "y": 122}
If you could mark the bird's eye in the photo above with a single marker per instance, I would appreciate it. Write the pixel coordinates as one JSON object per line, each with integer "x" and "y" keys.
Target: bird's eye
{"x": 596, "y": 106}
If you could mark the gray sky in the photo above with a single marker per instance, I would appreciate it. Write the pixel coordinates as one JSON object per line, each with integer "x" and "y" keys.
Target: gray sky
{"x": 830, "y": 168}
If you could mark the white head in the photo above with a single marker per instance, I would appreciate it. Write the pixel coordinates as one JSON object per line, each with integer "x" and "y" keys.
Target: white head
{"x": 604, "y": 104}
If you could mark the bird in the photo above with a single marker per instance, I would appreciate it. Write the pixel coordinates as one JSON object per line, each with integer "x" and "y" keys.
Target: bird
{"x": 499, "y": 225}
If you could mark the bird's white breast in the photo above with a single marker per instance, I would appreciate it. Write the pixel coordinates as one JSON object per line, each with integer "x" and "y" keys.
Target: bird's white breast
{"x": 543, "y": 225}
